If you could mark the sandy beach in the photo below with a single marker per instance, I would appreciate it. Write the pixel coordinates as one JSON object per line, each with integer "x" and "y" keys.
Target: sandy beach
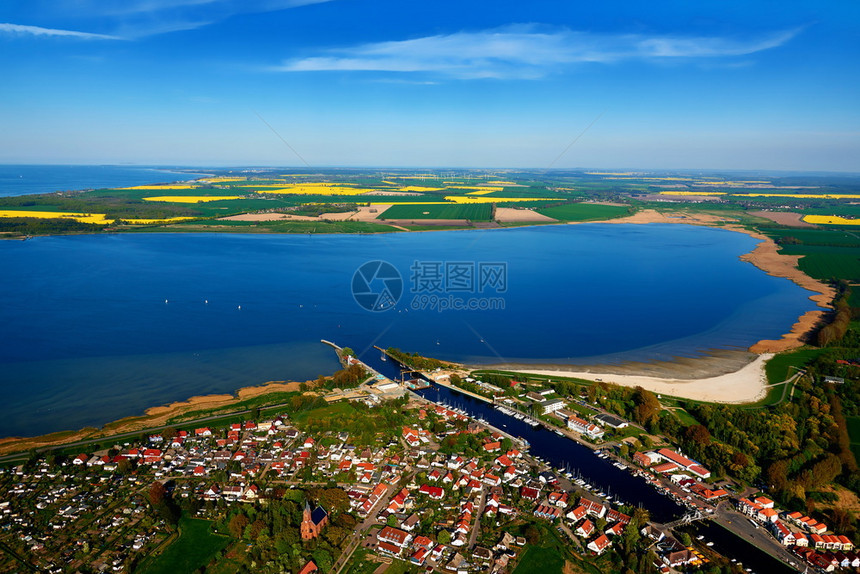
{"x": 746, "y": 382}
{"x": 746, "y": 385}
{"x": 722, "y": 376}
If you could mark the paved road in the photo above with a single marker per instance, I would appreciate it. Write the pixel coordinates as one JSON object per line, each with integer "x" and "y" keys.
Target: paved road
{"x": 739, "y": 524}
{"x": 479, "y": 512}
{"x": 362, "y": 528}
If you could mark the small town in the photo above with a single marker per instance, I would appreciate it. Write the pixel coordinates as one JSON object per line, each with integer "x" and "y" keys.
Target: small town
{"x": 378, "y": 479}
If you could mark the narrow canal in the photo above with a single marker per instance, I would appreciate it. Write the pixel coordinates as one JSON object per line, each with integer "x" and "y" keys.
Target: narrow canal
{"x": 563, "y": 453}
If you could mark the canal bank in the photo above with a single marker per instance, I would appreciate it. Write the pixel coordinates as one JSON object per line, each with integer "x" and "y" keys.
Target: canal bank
{"x": 560, "y": 452}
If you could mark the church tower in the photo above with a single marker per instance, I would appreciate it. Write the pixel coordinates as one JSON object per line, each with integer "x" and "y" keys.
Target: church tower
{"x": 307, "y": 527}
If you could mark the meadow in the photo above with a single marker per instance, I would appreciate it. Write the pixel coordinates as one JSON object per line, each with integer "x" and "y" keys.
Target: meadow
{"x": 584, "y": 212}
{"x": 194, "y": 548}
{"x": 825, "y": 253}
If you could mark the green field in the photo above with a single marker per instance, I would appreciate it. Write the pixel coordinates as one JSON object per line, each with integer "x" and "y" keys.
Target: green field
{"x": 784, "y": 365}
{"x": 476, "y": 212}
{"x": 825, "y": 253}
{"x": 584, "y": 212}
{"x": 832, "y": 265}
{"x": 781, "y": 368}
{"x": 194, "y": 548}
{"x": 853, "y": 424}
{"x": 832, "y": 237}
{"x": 326, "y": 412}
{"x": 540, "y": 560}
{"x": 360, "y": 564}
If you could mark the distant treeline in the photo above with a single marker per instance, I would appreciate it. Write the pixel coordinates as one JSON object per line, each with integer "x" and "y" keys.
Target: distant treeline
{"x": 33, "y": 226}
{"x": 415, "y": 360}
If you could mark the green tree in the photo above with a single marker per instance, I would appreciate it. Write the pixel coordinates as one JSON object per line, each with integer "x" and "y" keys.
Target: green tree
{"x": 322, "y": 559}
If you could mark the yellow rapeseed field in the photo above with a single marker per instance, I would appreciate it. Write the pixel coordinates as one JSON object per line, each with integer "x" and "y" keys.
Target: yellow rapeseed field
{"x": 420, "y": 188}
{"x": 412, "y": 203}
{"x": 192, "y": 198}
{"x": 795, "y": 195}
{"x": 484, "y": 199}
{"x": 151, "y": 221}
{"x": 149, "y": 187}
{"x": 803, "y": 195}
{"x": 82, "y": 217}
{"x": 830, "y": 220}
{"x": 316, "y": 189}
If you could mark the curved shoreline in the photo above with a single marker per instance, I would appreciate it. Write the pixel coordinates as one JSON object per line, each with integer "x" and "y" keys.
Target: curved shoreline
{"x": 766, "y": 257}
{"x": 153, "y": 417}
{"x": 747, "y": 382}
{"x": 746, "y": 385}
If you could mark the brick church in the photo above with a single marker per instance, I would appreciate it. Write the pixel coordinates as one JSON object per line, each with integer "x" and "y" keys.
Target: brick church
{"x": 313, "y": 521}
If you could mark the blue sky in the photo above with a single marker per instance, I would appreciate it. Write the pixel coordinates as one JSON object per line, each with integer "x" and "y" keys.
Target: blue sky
{"x": 671, "y": 85}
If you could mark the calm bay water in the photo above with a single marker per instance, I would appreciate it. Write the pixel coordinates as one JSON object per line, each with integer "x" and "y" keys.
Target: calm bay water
{"x": 30, "y": 179}
{"x": 99, "y": 327}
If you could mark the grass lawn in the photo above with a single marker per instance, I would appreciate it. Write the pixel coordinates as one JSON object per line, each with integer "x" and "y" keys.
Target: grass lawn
{"x": 685, "y": 417}
{"x": 584, "y": 212}
{"x": 359, "y": 563}
{"x": 784, "y": 365}
{"x": 477, "y": 212}
{"x": 194, "y": 548}
{"x": 400, "y": 567}
{"x": 779, "y": 369}
{"x": 853, "y": 424}
{"x": 540, "y": 560}
{"x": 328, "y": 411}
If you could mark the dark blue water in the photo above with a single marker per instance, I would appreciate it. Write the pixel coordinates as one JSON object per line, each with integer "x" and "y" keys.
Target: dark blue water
{"x": 88, "y": 336}
{"x": 733, "y": 546}
{"x": 566, "y": 454}
{"x": 30, "y": 179}
{"x": 563, "y": 453}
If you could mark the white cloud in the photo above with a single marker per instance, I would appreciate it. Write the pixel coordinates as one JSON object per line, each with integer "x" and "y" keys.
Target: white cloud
{"x": 524, "y": 52}
{"x": 19, "y": 29}
{"x": 132, "y": 19}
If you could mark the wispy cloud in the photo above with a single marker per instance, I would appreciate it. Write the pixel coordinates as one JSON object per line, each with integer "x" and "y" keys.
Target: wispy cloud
{"x": 524, "y": 52}
{"x": 19, "y": 29}
{"x": 133, "y": 19}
